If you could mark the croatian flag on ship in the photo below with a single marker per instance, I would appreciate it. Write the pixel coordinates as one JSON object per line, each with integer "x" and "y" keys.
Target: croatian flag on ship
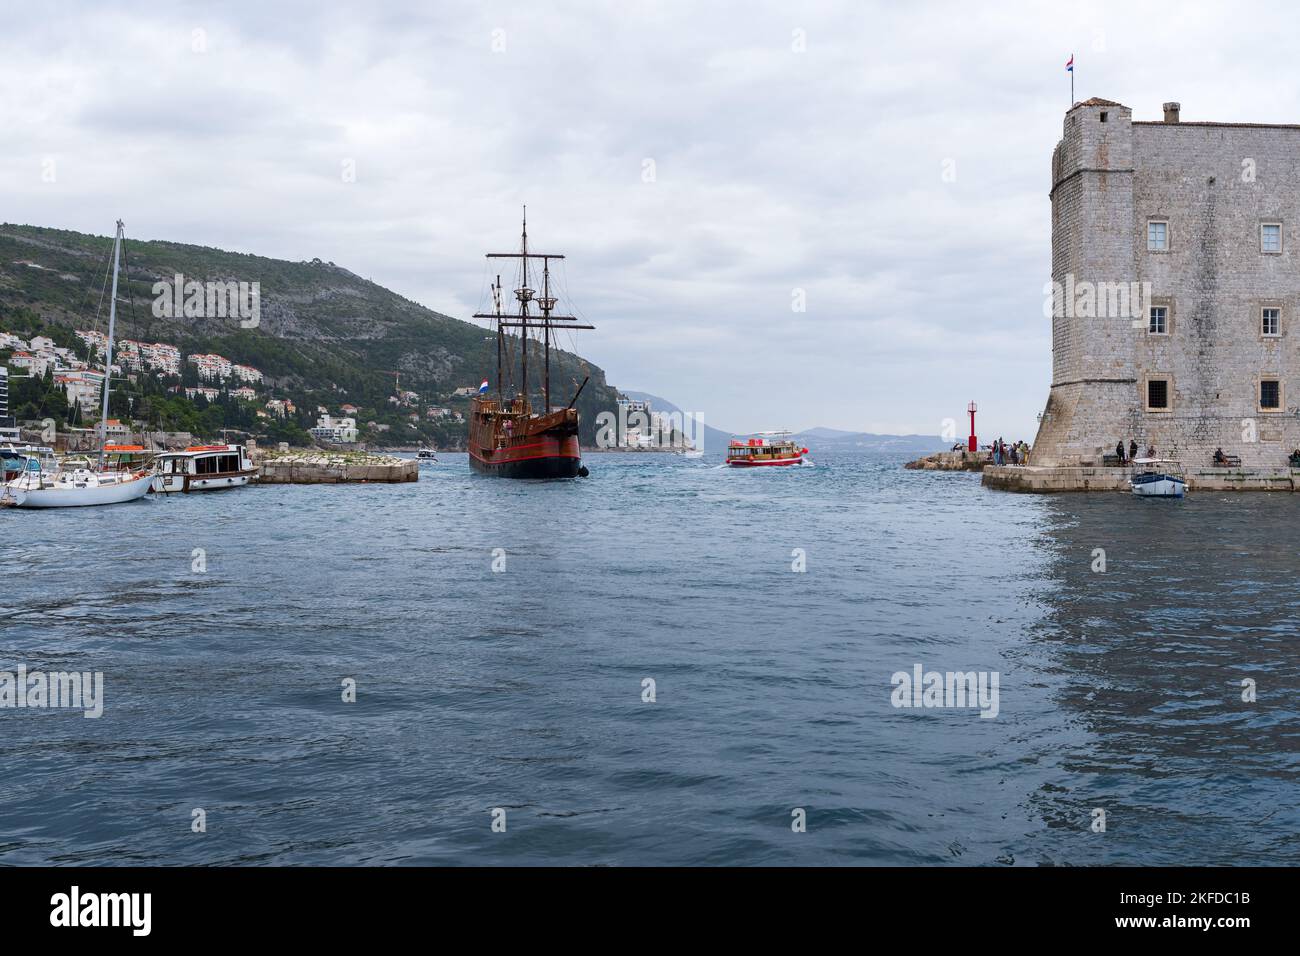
{"x": 482, "y": 389}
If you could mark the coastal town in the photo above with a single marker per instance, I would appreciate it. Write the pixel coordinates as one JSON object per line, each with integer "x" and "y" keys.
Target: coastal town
{"x": 333, "y": 450}
{"x": 132, "y": 456}
{"x": 73, "y": 376}
{"x": 76, "y": 372}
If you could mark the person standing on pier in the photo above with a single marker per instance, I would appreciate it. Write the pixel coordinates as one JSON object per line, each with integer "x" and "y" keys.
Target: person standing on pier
{"x": 1132, "y": 448}
{"x": 1119, "y": 450}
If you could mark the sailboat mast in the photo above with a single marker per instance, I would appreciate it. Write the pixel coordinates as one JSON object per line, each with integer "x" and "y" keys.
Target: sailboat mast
{"x": 501, "y": 396}
{"x": 108, "y": 353}
{"x": 546, "y": 330}
{"x": 523, "y": 306}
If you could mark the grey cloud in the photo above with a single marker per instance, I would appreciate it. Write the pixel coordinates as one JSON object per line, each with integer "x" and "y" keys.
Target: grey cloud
{"x": 775, "y": 170}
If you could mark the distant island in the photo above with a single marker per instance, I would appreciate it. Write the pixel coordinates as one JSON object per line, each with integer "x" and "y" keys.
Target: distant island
{"x": 815, "y": 439}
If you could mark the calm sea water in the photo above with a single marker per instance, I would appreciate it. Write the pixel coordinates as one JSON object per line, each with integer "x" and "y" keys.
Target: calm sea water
{"x": 523, "y": 689}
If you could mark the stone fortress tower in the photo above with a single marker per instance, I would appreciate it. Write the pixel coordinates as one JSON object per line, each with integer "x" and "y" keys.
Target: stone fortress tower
{"x": 1176, "y": 277}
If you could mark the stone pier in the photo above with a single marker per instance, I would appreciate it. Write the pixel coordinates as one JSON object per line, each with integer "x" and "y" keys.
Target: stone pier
{"x": 328, "y": 468}
{"x": 951, "y": 461}
{"x": 1049, "y": 479}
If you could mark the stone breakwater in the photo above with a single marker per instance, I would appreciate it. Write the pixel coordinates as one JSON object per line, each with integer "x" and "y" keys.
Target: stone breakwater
{"x": 329, "y": 468}
{"x": 951, "y": 461}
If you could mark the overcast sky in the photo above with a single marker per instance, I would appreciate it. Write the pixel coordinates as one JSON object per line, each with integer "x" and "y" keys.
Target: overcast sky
{"x": 794, "y": 147}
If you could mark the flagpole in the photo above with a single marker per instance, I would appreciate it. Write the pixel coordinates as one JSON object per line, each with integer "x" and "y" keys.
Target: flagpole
{"x": 1071, "y": 81}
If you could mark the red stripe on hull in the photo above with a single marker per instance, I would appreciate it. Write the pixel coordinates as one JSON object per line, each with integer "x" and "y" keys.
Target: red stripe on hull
{"x": 553, "y": 458}
{"x": 566, "y": 447}
{"x": 763, "y": 464}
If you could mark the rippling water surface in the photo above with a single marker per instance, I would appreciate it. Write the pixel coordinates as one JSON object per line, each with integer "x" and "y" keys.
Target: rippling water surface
{"x": 1118, "y": 690}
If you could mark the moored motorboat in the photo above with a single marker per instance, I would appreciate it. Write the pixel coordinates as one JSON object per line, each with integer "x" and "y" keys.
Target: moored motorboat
{"x": 203, "y": 468}
{"x": 15, "y": 459}
{"x": 1157, "y": 478}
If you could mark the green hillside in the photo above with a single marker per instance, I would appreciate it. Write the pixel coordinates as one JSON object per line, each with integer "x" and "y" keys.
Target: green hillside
{"x": 326, "y": 336}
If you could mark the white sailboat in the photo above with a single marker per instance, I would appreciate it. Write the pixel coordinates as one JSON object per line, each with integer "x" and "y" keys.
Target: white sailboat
{"x": 80, "y": 487}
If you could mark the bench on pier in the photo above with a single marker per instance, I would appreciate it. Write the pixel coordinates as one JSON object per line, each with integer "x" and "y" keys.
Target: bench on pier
{"x": 1227, "y": 461}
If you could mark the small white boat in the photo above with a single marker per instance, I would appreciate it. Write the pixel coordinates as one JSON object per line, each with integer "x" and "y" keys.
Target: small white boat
{"x": 1157, "y": 478}
{"x": 203, "y": 468}
{"x": 427, "y": 454}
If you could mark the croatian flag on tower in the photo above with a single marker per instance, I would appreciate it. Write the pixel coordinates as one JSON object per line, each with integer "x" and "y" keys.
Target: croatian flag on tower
{"x": 1070, "y": 65}
{"x": 482, "y": 389}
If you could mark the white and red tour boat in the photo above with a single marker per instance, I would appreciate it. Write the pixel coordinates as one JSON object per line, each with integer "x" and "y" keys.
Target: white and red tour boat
{"x": 766, "y": 450}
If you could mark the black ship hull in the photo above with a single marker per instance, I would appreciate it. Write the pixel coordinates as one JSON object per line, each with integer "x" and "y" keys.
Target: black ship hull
{"x": 536, "y": 468}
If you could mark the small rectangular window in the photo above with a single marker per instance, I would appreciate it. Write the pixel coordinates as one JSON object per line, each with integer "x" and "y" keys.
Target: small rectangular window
{"x": 1271, "y": 322}
{"x": 1159, "y": 322}
{"x": 1270, "y": 237}
{"x": 1158, "y": 393}
{"x": 1157, "y": 236}
{"x": 1270, "y": 393}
